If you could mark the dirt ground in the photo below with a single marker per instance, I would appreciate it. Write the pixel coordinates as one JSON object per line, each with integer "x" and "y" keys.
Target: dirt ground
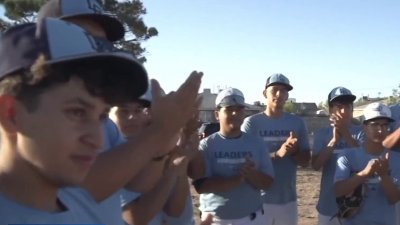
{"x": 307, "y": 189}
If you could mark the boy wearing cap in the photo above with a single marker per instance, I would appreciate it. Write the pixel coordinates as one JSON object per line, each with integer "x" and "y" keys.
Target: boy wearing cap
{"x": 54, "y": 98}
{"x": 237, "y": 167}
{"x": 374, "y": 168}
{"x": 122, "y": 165}
{"x": 329, "y": 142}
{"x": 286, "y": 137}
{"x": 170, "y": 190}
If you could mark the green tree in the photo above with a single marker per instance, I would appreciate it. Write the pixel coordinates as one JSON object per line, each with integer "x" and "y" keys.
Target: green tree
{"x": 395, "y": 98}
{"x": 129, "y": 11}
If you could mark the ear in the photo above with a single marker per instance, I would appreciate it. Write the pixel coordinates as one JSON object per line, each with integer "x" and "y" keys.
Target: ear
{"x": 8, "y": 113}
{"x": 216, "y": 113}
{"x": 265, "y": 93}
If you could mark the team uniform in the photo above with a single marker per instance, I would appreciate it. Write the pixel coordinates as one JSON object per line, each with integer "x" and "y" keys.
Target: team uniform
{"x": 186, "y": 217}
{"x": 223, "y": 158}
{"x": 280, "y": 199}
{"x": 80, "y": 208}
{"x": 375, "y": 208}
{"x": 326, "y": 205}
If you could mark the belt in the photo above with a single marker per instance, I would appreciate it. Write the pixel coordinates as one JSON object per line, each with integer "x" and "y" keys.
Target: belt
{"x": 253, "y": 215}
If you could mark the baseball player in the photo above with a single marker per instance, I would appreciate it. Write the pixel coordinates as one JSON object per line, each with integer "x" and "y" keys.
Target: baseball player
{"x": 122, "y": 164}
{"x": 372, "y": 167}
{"x": 286, "y": 137}
{"x": 236, "y": 167}
{"x": 53, "y": 103}
{"x": 169, "y": 198}
{"x": 329, "y": 142}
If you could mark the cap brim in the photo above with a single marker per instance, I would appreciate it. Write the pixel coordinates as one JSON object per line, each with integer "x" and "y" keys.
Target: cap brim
{"x": 113, "y": 27}
{"x": 344, "y": 98}
{"x": 123, "y": 68}
{"x": 227, "y": 104}
{"x": 379, "y": 117}
{"x": 288, "y": 86}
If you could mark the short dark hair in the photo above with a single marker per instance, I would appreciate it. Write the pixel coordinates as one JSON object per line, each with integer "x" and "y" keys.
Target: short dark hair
{"x": 26, "y": 86}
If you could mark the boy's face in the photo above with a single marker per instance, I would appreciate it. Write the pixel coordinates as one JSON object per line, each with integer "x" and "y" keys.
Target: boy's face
{"x": 131, "y": 118}
{"x": 231, "y": 117}
{"x": 276, "y": 95}
{"x": 344, "y": 109}
{"x": 377, "y": 130}
{"x": 62, "y": 137}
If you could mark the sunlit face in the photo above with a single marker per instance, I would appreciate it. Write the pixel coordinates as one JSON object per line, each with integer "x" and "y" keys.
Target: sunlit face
{"x": 342, "y": 108}
{"x": 62, "y": 137}
{"x": 377, "y": 130}
{"x": 276, "y": 95}
{"x": 231, "y": 117}
{"x": 131, "y": 118}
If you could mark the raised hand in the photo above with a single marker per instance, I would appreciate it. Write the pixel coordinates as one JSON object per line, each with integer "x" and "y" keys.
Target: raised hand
{"x": 290, "y": 146}
{"x": 248, "y": 169}
{"x": 371, "y": 169}
{"x": 383, "y": 168}
{"x": 171, "y": 112}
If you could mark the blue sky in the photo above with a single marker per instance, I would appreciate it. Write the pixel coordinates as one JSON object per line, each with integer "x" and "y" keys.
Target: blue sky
{"x": 317, "y": 44}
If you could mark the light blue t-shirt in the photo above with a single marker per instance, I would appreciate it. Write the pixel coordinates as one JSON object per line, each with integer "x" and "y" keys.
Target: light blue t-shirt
{"x": 375, "y": 208}
{"x": 113, "y": 137}
{"x": 128, "y": 196}
{"x": 186, "y": 218}
{"x": 274, "y": 132}
{"x": 224, "y": 158}
{"x": 81, "y": 208}
{"x": 327, "y": 201}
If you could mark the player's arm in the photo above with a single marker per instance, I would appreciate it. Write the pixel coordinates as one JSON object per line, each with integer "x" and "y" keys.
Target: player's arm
{"x": 176, "y": 202}
{"x": 393, "y": 140}
{"x": 390, "y": 188}
{"x": 122, "y": 163}
{"x": 143, "y": 210}
{"x": 388, "y": 185}
{"x": 318, "y": 161}
{"x": 147, "y": 177}
{"x": 257, "y": 179}
{"x": 347, "y": 186}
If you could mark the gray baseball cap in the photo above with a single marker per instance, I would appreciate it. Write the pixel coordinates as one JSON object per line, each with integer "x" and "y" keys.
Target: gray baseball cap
{"x": 21, "y": 45}
{"x": 90, "y": 9}
{"x": 278, "y": 78}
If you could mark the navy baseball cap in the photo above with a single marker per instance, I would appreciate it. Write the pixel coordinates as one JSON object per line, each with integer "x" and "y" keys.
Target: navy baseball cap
{"x": 20, "y": 47}
{"x": 89, "y": 9}
{"x": 341, "y": 94}
{"x": 278, "y": 78}
{"x": 230, "y": 97}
